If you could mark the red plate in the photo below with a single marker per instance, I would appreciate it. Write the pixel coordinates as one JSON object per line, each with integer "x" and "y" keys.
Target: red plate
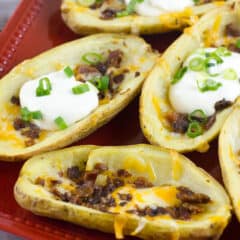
{"x": 35, "y": 27}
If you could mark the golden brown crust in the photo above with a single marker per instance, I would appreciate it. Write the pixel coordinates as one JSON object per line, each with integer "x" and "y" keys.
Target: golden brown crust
{"x": 154, "y": 102}
{"x": 84, "y": 20}
{"x": 167, "y": 167}
{"x": 70, "y": 54}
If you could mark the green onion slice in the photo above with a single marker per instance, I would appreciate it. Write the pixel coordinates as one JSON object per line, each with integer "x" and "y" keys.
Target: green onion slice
{"x": 60, "y": 123}
{"x": 103, "y": 83}
{"x": 130, "y": 8}
{"x": 178, "y": 75}
{"x": 27, "y": 115}
{"x": 230, "y": 74}
{"x": 68, "y": 71}
{"x": 92, "y": 58}
{"x": 238, "y": 43}
{"x": 197, "y": 64}
{"x": 86, "y": 3}
{"x": 208, "y": 85}
{"x": 194, "y": 129}
{"x": 223, "y": 52}
{"x": 198, "y": 115}
{"x": 44, "y": 87}
{"x": 82, "y": 88}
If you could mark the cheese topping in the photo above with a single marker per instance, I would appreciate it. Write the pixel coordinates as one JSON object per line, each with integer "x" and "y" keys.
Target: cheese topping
{"x": 201, "y": 89}
{"x": 154, "y": 8}
{"x": 61, "y": 102}
{"x": 163, "y": 196}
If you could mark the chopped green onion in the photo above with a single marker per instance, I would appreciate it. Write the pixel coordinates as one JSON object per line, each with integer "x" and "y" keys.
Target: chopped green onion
{"x": 44, "y": 87}
{"x": 230, "y": 74}
{"x": 27, "y": 115}
{"x": 130, "y": 8}
{"x": 208, "y": 85}
{"x": 92, "y": 58}
{"x": 103, "y": 83}
{"x": 60, "y": 123}
{"x": 81, "y": 89}
{"x": 197, "y": 64}
{"x": 238, "y": 43}
{"x": 194, "y": 129}
{"x": 68, "y": 71}
{"x": 223, "y": 52}
{"x": 37, "y": 115}
{"x": 178, "y": 75}
{"x": 213, "y": 57}
{"x": 197, "y": 115}
{"x": 86, "y": 3}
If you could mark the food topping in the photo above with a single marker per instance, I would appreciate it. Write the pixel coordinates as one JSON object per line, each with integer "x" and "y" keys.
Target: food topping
{"x": 47, "y": 102}
{"x": 121, "y": 192}
{"x": 207, "y": 82}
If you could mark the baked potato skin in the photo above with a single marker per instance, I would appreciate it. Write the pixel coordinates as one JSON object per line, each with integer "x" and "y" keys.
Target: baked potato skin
{"x": 83, "y": 20}
{"x": 154, "y": 101}
{"x": 70, "y": 54}
{"x": 229, "y": 156}
{"x": 31, "y": 197}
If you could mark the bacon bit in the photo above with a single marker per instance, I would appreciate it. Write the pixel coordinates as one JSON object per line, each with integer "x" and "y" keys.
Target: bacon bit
{"x": 15, "y": 100}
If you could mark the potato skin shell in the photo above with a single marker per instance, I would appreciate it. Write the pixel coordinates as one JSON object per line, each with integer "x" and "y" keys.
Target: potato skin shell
{"x": 39, "y": 203}
{"x": 229, "y": 158}
{"x": 84, "y": 21}
{"x": 137, "y": 54}
{"x": 154, "y": 102}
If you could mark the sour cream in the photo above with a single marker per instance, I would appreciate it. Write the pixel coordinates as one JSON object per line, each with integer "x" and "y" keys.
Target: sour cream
{"x": 154, "y": 8}
{"x": 185, "y": 95}
{"x": 61, "y": 101}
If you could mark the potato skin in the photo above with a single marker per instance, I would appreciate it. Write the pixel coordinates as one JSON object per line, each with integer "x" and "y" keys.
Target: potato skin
{"x": 154, "y": 102}
{"x": 83, "y": 20}
{"x": 229, "y": 156}
{"x": 137, "y": 54}
{"x": 33, "y": 198}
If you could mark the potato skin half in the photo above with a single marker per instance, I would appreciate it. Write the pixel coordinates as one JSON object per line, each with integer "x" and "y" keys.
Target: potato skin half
{"x": 138, "y": 56}
{"x": 169, "y": 168}
{"x": 83, "y": 20}
{"x": 229, "y": 156}
{"x": 154, "y": 102}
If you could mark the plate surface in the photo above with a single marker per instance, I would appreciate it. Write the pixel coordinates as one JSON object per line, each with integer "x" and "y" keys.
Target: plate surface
{"x": 35, "y": 27}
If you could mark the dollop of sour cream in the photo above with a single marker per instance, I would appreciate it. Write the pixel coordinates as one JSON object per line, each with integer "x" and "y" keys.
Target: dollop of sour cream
{"x": 186, "y": 96}
{"x": 61, "y": 102}
{"x": 154, "y": 8}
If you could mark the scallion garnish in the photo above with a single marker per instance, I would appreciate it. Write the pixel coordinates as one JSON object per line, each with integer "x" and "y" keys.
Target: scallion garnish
{"x": 82, "y": 88}
{"x": 197, "y": 64}
{"x": 27, "y": 115}
{"x": 238, "y": 43}
{"x": 223, "y": 52}
{"x": 92, "y": 58}
{"x": 68, "y": 71}
{"x": 44, "y": 87}
{"x": 130, "y": 8}
{"x": 194, "y": 129}
{"x": 178, "y": 75}
{"x": 103, "y": 83}
{"x": 208, "y": 85}
{"x": 197, "y": 115}
{"x": 60, "y": 123}
{"x": 230, "y": 74}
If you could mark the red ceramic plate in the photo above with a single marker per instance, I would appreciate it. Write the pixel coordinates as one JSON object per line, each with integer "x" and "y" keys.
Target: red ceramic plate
{"x": 35, "y": 27}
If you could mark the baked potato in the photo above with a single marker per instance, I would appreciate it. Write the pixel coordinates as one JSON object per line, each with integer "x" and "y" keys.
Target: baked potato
{"x": 229, "y": 156}
{"x": 103, "y": 73}
{"x": 140, "y": 190}
{"x": 87, "y": 17}
{"x": 184, "y": 103}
